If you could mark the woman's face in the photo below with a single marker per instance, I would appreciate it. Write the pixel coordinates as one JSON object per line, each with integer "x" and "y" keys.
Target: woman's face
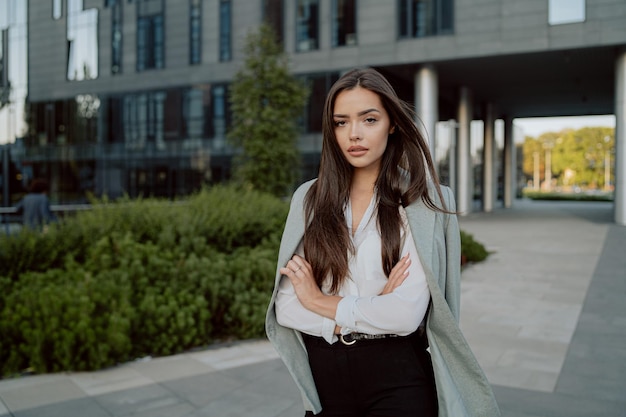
{"x": 362, "y": 127}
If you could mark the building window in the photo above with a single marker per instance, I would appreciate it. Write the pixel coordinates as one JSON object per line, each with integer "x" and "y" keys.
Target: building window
{"x": 225, "y": 30}
{"x": 566, "y": 11}
{"x": 344, "y": 22}
{"x": 116, "y": 36}
{"x": 419, "y": 18}
{"x": 82, "y": 42}
{"x": 319, "y": 84}
{"x": 195, "y": 31}
{"x": 150, "y": 34}
{"x": 57, "y": 9}
{"x": 273, "y": 15}
{"x": 143, "y": 119}
{"x": 196, "y": 102}
{"x": 4, "y": 66}
{"x": 221, "y": 111}
{"x": 307, "y": 25}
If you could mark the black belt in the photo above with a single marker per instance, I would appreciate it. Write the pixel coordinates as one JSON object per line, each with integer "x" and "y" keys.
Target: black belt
{"x": 351, "y": 338}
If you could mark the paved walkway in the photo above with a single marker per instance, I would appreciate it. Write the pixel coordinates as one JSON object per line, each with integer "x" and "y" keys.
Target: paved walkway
{"x": 545, "y": 316}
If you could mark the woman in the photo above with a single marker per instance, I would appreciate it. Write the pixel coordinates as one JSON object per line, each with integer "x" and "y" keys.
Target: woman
{"x": 369, "y": 269}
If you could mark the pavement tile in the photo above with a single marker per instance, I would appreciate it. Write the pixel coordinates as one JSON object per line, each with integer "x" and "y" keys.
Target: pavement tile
{"x": 170, "y": 367}
{"x": 82, "y": 407}
{"x": 200, "y": 390}
{"x": 109, "y": 380}
{"x": 138, "y": 399}
{"x": 43, "y": 393}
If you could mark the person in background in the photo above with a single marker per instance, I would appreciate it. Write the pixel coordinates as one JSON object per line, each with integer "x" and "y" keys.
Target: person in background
{"x": 35, "y": 206}
{"x": 365, "y": 306}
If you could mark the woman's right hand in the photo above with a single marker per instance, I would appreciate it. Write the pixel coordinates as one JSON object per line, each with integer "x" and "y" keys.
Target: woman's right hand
{"x": 398, "y": 274}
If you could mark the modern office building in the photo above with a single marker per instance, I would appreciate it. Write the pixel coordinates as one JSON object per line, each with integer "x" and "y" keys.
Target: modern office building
{"x": 131, "y": 96}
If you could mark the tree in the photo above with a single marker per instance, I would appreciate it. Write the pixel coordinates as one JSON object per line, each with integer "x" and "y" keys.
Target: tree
{"x": 267, "y": 103}
{"x": 580, "y": 157}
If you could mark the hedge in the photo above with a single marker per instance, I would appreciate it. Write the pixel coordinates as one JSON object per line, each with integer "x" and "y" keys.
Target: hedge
{"x": 139, "y": 277}
{"x": 136, "y": 278}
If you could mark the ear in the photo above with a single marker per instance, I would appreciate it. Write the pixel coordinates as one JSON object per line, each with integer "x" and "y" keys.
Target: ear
{"x": 392, "y": 130}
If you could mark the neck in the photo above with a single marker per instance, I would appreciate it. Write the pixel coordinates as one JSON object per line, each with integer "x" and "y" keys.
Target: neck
{"x": 364, "y": 181}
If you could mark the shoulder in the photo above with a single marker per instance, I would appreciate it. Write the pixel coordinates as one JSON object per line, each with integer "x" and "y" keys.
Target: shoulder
{"x": 302, "y": 190}
{"x": 448, "y": 202}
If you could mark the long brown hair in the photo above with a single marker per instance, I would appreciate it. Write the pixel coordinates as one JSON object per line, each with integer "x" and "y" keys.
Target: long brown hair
{"x": 405, "y": 167}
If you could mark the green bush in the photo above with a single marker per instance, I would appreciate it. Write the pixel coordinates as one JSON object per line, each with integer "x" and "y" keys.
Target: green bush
{"x": 136, "y": 278}
{"x": 144, "y": 277}
{"x": 471, "y": 250}
{"x": 568, "y": 196}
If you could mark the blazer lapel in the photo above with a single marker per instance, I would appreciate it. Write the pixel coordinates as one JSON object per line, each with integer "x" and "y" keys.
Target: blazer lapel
{"x": 292, "y": 235}
{"x": 422, "y": 224}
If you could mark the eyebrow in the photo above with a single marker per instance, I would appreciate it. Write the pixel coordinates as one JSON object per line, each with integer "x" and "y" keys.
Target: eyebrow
{"x": 361, "y": 113}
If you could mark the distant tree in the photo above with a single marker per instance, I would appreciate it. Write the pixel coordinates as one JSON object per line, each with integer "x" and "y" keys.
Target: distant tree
{"x": 578, "y": 157}
{"x": 267, "y": 103}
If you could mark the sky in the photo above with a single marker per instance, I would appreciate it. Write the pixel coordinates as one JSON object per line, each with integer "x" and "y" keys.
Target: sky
{"x": 538, "y": 125}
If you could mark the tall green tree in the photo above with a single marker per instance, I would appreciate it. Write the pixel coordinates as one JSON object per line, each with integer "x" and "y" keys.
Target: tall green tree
{"x": 267, "y": 102}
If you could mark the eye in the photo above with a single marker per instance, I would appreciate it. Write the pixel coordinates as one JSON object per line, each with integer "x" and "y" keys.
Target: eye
{"x": 339, "y": 123}
{"x": 371, "y": 120}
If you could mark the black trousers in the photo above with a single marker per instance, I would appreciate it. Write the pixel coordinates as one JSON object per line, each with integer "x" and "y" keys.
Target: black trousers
{"x": 390, "y": 377}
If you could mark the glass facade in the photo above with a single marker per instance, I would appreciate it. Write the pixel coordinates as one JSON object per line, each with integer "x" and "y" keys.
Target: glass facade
{"x": 273, "y": 15}
{"x": 225, "y": 30}
{"x": 57, "y": 9}
{"x": 420, "y": 18}
{"x": 566, "y": 11}
{"x": 116, "y": 36}
{"x": 307, "y": 25}
{"x": 82, "y": 41}
{"x": 13, "y": 69}
{"x": 195, "y": 31}
{"x": 344, "y": 23}
{"x": 150, "y": 34}
{"x": 319, "y": 85}
{"x": 163, "y": 143}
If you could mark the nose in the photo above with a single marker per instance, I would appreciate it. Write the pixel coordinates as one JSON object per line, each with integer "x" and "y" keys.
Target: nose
{"x": 355, "y": 132}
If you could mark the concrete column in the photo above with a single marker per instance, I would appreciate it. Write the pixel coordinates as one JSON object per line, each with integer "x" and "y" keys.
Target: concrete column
{"x": 510, "y": 164}
{"x": 620, "y": 139}
{"x": 489, "y": 159}
{"x": 426, "y": 104}
{"x": 465, "y": 173}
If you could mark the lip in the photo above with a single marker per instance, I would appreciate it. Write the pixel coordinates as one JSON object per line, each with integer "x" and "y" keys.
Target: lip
{"x": 357, "y": 150}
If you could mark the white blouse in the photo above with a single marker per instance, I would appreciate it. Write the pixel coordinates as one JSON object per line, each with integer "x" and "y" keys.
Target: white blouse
{"x": 362, "y": 309}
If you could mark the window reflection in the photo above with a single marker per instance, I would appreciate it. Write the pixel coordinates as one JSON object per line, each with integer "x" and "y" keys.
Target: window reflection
{"x": 419, "y": 18}
{"x": 13, "y": 69}
{"x": 116, "y": 36}
{"x": 225, "y": 30}
{"x": 82, "y": 40}
{"x": 150, "y": 34}
{"x": 319, "y": 84}
{"x": 195, "y": 31}
{"x": 344, "y": 23}
{"x": 273, "y": 14}
{"x": 57, "y": 9}
{"x": 566, "y": 11}
{"x": 143, "y": 120}
{"x": 307, "y": 25}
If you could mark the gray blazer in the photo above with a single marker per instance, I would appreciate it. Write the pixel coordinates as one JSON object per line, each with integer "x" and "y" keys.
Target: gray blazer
{"x": 462, "y": 388}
